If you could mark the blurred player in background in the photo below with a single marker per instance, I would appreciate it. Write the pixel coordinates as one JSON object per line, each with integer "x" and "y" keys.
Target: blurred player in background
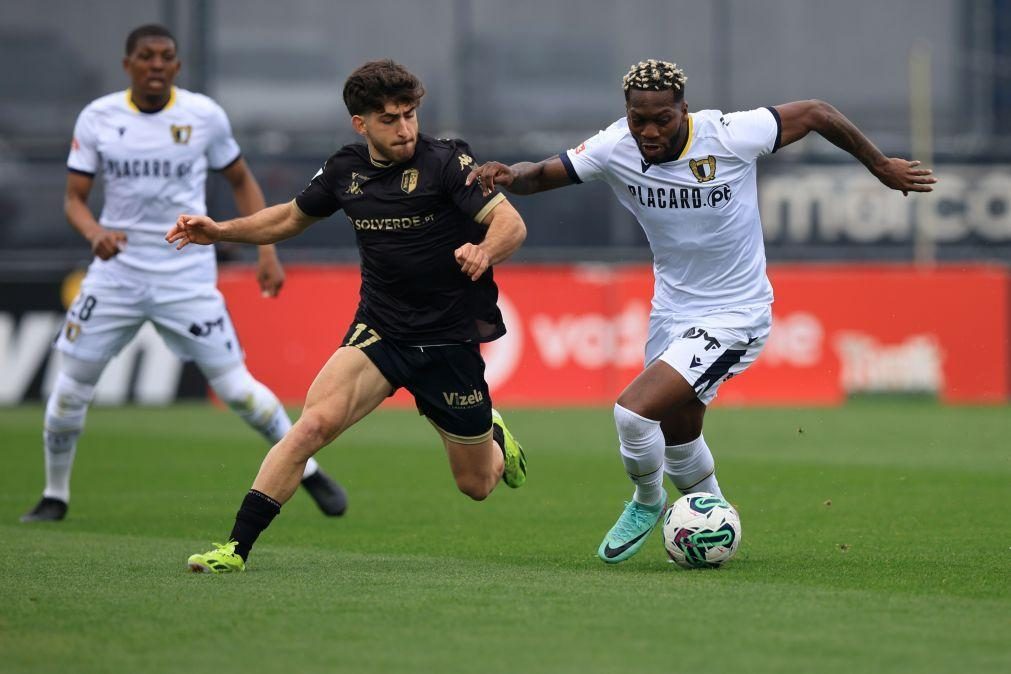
{"x": 689, "y": 179}
{"x": 427, "y": 241}
{"x": 152, "y": 145}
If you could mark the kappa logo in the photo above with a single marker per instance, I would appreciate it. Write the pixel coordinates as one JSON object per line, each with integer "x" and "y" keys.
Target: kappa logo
{"x": 409, "y": 181}
{"x": 704, "y": 170}
{"x": 465, "y": 161}
{"x": 356, "y": 183}
{"x": 180, "y": 133}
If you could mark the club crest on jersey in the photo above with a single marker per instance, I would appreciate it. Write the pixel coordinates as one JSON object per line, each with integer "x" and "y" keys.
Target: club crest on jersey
{"x": 355, "y": 187}
{"x": 465, "y": 161}
{"x": 181, "y": 134}
{"x": 72, "y": 331}
{"x": 704, "y": 170}
{"x": 410, "y": 178}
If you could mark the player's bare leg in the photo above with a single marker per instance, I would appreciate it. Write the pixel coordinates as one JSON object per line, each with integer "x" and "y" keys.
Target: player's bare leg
{"x": 477, "y": 468}
{"x": 479, "y": 463}
{"x": 260, "y": 408}
{"x": 347, "y": 388}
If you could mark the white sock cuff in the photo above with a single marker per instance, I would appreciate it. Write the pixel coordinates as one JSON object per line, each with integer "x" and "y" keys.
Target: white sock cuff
{"x": 234, "y": 385}
{"x": 633, "y": 427}
{"x": 67, "y": 406}
{"x": 68, "y": 388}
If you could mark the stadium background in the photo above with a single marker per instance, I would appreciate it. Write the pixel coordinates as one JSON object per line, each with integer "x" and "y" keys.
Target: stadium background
{"x": 875, "y": 526}
{"x": 524, "y": 80}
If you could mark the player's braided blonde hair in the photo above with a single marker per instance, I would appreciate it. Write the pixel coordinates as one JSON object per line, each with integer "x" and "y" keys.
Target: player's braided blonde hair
{"x": 654, "y": 75}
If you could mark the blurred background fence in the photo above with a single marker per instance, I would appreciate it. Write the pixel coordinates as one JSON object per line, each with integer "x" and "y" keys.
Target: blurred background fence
{"x": 526, "y": 79}
{"x": 529, "y": 78}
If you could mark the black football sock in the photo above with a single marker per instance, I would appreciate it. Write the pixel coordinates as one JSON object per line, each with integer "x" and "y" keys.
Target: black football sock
{"x": 498, "y": 436}
{"x": 255, "y": 514}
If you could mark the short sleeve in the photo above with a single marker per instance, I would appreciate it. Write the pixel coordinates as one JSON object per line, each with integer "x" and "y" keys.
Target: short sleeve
{"x": 223, "y": 150}
{"x": 319, "y": 198}
{"x": 468, "y": 198}
{"x": 753, "y": 133}
{"x": 588, "y": 160}
{"x": 83, "y": 156}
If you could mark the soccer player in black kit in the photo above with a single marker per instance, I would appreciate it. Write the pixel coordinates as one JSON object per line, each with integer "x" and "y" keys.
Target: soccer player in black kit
{"x": 428, "y": 297}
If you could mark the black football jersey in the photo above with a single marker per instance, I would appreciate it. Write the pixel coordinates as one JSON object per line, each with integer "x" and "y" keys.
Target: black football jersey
{"x": 408, "y": 219}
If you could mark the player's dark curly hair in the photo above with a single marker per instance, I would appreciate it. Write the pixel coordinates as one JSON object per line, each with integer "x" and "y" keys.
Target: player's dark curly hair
{"x": 376, "y": 83}
{"x": 147, "y": 30}
{"x": 654, "y": 75}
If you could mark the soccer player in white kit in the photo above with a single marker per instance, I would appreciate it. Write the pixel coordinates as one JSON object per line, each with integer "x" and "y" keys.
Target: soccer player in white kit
{"x": 153, "y": 144}
{"x": 689, "y": 179}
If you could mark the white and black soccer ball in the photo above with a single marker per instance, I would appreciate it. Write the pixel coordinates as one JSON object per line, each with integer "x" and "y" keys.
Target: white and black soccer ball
{"x": 701, "y": 531}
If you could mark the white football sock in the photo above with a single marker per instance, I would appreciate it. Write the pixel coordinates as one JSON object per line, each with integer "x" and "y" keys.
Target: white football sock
{"x": 66, "y": 410}
{"x": 691, "y": 467}
{"x": 642, "y": 453}
{"x": 257, "y": 405}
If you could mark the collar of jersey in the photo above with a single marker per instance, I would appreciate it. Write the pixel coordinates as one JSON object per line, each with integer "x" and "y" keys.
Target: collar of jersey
{"x": 688, "y": 141}
{"x": 130, "y": 104}
{"x": 375, "y": 162}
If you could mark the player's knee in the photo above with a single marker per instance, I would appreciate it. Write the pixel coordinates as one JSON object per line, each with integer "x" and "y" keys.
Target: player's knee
{"x": 68, "y": 404}
{"x": 476, "y": 485}
{"x": 314, "y": 430}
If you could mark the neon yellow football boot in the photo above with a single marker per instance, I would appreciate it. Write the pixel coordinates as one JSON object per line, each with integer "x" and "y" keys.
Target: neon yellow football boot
{"x": 222, "y": 559}
{"x": 515, "y": 473}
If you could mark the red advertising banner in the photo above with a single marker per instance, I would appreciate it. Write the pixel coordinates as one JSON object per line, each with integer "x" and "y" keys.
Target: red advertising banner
{"x": 576, "y": 333}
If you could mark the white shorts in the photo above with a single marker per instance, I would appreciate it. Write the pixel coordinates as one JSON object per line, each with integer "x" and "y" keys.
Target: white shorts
{"x": 110, "y": 309}
{"x": 709, "y": 350}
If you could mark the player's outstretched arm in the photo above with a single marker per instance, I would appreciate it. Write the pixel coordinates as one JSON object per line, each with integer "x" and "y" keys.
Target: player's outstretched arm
{"x": 522, "y": 178}
{"x": 801, "y": 117}
{"x": 506, "y": 233}
{"x": 270, "y": 225}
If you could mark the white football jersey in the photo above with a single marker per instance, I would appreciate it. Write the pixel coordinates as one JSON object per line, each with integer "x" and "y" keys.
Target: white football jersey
{"x": 699, "y": 211}
{"x": 153, "y": 167}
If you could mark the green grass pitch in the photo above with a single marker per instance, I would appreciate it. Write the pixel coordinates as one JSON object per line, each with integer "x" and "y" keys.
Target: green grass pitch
{"x": 877, "y": 538}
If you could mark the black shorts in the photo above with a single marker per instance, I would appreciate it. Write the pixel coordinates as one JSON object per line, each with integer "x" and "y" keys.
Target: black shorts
{"x": 446, "y": 380}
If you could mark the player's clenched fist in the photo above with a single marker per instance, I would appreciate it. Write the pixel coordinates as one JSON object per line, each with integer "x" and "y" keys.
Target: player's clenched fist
{"x": 491, "y": 174}
{"x": 473, "y": 260}
{"x": 106, "y": 244}
{"x": 194, "y": 229}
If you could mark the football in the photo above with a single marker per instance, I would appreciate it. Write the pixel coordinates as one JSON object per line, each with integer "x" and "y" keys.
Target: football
{"x": 701, "y": 531}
